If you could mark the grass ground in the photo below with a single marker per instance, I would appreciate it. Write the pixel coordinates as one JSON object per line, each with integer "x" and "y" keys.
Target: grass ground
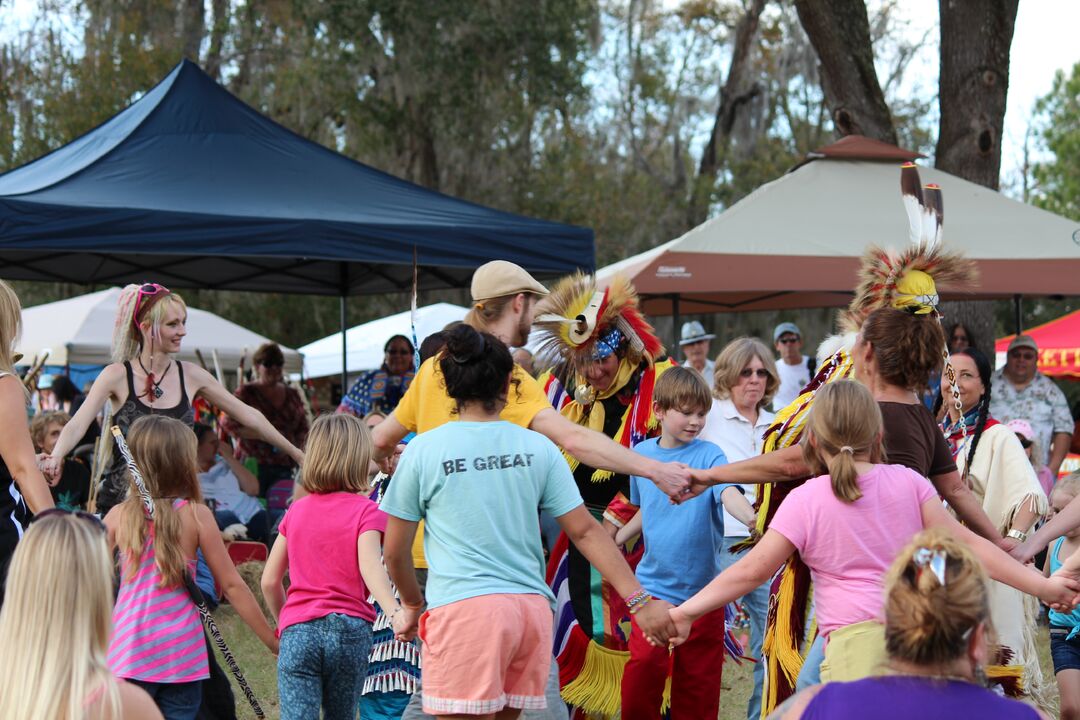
{"x": 259, "y": 667}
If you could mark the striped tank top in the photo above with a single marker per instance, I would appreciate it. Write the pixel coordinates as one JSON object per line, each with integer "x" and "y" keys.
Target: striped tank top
{"x": 157, "y": 635}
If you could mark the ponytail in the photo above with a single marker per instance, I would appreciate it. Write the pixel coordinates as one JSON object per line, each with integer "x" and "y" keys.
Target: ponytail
{"x": 845, "y": 422}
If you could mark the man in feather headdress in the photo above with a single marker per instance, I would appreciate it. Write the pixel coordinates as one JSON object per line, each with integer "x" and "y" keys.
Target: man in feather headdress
{"x": 900, "y": 285}
{"x": 610, "y": 359}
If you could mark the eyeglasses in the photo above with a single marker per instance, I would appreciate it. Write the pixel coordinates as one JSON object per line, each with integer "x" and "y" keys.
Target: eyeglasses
{"x": 399, "y": 352}
{"x": 959, "y": 338}
{"x": 146, "y": 290}
{"x": 748, "y": 372}
{"x": 1020, "y": 355}
{"x": 81, "y": 514}
{"x": 787, "y": 340}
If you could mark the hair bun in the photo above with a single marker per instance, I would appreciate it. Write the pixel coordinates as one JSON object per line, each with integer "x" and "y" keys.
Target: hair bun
{"x": 465, "y": 345}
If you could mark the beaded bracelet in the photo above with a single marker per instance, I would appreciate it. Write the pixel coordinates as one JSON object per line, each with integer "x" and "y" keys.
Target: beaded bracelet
{"x": 639, "y": 599}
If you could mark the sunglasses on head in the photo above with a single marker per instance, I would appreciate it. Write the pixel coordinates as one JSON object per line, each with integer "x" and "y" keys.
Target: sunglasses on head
{"x": 81, "y": 514}
{"x": 748, "y": 372}
{"x": 788, "y": 339}
{"x": 146, "y": 290}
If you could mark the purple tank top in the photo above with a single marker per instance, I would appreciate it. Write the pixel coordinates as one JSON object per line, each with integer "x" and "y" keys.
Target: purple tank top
{"x": 904, "y": 697}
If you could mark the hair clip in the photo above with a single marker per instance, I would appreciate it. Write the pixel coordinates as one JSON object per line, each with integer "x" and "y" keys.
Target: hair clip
{"x": 934, "y": 559}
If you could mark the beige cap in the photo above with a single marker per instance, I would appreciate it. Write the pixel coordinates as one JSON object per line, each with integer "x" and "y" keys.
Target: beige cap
{"x": 1023, "y": 341}
{"x": 499, "y": 277}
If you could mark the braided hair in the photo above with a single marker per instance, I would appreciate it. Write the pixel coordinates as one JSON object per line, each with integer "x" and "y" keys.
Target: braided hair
{"x": 982, "y": 364}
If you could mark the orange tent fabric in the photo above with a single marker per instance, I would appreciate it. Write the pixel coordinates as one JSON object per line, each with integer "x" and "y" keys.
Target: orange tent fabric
{"x": 1059, "y": 346}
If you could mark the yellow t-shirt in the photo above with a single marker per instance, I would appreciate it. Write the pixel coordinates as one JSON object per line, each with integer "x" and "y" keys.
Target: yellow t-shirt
{"x": 426, "y": 406}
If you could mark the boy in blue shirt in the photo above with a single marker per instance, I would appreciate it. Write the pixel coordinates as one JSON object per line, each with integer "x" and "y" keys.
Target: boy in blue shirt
{"x": 682, "y": 546}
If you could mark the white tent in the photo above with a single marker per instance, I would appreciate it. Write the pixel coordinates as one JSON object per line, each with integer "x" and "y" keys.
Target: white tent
{"x": 796, "y": 242}
{"x": 79, "y": 330}
{"x": 366, "y": 342}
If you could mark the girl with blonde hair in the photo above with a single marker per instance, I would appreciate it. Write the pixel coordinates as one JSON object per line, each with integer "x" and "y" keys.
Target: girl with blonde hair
{"x": 158, "y": 641}
{"x": 847, "y": 524}
{"x": 938, "y": 638}
{"x": 55, "y": 627}
{"x": 145, "y": 379}
{"x": 23, "y": 489}
{"x": 330, "y": 543}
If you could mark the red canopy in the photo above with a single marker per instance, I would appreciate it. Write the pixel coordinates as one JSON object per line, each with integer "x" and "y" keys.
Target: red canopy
{"x": 1059, "y": 346}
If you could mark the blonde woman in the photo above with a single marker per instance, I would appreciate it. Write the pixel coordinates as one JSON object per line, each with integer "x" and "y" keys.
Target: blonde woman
{"x": 54, "y": 662}
{"x": 23, "y": 489}
{"x": 745, "y": 380}
{"x": 145, "y": 379}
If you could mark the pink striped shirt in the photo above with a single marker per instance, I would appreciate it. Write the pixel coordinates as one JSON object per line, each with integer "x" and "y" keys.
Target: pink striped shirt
{"x": 157, "y": 634}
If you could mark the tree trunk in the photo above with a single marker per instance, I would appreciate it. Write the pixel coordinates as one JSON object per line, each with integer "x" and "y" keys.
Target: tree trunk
{"x": 192, "y": 28}
{"x": 975, "y": 39}
{"x": 840, "y": 33}
{"x": 220, "y": 11}
{"x": 733, "y": 95}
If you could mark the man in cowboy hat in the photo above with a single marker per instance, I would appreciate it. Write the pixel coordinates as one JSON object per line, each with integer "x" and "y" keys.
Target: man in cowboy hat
{"x": 694, "y": 343}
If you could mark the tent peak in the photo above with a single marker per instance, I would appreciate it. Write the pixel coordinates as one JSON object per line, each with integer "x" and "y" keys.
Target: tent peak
{"x": 859, "y": 147}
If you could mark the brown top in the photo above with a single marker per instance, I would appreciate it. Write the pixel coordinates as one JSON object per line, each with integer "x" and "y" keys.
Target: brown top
{"x": 913, "y": 439}
{"x": 289, "y": 417}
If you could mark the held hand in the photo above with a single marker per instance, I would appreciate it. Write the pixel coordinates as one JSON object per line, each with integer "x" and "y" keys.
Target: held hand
{"x": 274, "y": 646}
{"x": 389, "y": 464}
{"x": 699, "y": 483}
{"x": 1061, "y": 592}
{"x": 50, "y": 467}
{"x": 610, "y": 529}
{"x": 405, "y": 623}
{"x": 1023, "y": 552}
{"x": 1008, "y": 544}
{"x": 673, "y": 479}
{"x": 225, "y": 451}
{"x": 655, "y": 622}
{"x": 682, "y": 626}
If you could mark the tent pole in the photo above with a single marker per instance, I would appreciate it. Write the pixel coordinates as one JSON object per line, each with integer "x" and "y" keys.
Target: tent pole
{"x": 675, "y": 322}
{"x": 1018, "y": 312}
{"x": 344, "y": 344}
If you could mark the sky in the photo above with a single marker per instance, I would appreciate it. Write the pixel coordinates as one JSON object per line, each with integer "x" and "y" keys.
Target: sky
{"x": 1044, "y": 42}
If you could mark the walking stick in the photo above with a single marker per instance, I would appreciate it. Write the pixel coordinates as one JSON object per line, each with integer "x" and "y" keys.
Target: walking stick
{"x": 189, "y": 582}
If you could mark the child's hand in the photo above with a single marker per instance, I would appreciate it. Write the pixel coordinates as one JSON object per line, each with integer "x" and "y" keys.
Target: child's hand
{"x": 405, "y": 622}
{"x": 1023, "y": 552}
{"x": 274, "y": 646}
{"x": 682, "y": 626}
{"x": 655, "y": 623}
{"x": 1062, "y": 591}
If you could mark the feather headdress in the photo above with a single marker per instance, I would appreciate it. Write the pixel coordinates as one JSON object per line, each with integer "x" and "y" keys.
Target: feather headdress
{"x": 908, "y": 279}
{"x": 579, "y": 323}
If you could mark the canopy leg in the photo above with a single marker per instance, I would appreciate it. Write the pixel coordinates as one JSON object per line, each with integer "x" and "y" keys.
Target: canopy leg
{"x": 1018, "y": 313}
{"x": 344, "y": 350}
{"x": 675, "y": 324}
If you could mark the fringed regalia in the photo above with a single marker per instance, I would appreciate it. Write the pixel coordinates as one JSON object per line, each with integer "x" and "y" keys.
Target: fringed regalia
{"x": 580, "y": 324}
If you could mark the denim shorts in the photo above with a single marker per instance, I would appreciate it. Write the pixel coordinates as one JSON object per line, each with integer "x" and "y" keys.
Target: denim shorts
{"x": 1066, "y": 653}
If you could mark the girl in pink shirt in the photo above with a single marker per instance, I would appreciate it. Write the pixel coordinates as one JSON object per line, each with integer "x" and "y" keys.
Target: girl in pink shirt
{"x": 848, "y": 526}
{"x": 330, "y": 542}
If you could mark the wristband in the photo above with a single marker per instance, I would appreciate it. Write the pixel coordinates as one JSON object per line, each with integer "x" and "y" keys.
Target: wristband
{"x": 1016, "y": 534}
{"x": 614, "y": 520}
{"x": 639, "y": 599}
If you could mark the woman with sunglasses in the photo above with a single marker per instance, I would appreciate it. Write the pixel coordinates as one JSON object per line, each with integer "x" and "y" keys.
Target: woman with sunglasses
{"x": 23, "y": 489}
{"x": 993, "y": 463}
{"x": 744, "y": 383}
{"x": 54, "y": 666}
{"x": 282, "y": 406}
{"x": 146, "y": 379}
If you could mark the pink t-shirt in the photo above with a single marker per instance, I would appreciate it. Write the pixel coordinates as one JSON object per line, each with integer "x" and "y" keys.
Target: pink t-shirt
{"x": 324, "y": 572}
{"x": 849, "y": 546}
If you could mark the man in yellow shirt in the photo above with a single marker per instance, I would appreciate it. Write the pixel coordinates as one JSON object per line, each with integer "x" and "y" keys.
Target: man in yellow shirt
{"x": 504, "y": 298}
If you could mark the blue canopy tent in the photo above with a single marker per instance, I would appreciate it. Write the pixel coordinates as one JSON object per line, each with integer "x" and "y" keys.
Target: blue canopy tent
{"x": 190, "y": 187}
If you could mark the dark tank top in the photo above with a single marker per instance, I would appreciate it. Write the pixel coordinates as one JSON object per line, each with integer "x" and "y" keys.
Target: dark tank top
{"x": 114, "y": 483}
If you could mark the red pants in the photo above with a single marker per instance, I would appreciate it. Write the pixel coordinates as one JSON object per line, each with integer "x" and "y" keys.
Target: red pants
{"x": 695, "y": 673}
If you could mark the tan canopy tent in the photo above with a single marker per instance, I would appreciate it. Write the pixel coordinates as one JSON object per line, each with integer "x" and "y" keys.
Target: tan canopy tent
{"x": 796, "y": 242}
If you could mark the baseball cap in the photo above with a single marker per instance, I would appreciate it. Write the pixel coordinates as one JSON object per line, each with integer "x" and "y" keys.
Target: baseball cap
{"x": 45, "y": 382}
{"x": 1023, "y": 341}
{"x": 785, "y": 327}
{"x": 499, "y": 277}
{"x": 693, "y": 332}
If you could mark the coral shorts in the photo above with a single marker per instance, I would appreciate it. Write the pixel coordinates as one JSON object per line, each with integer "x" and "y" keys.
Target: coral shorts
{"x": 486, "y": 653}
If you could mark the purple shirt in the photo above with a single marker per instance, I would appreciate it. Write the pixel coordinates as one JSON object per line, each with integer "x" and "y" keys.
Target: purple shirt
{"x": 906, "y": 697}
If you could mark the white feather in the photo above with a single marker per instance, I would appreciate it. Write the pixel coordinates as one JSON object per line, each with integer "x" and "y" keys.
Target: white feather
{"x": 915, "y": 218}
